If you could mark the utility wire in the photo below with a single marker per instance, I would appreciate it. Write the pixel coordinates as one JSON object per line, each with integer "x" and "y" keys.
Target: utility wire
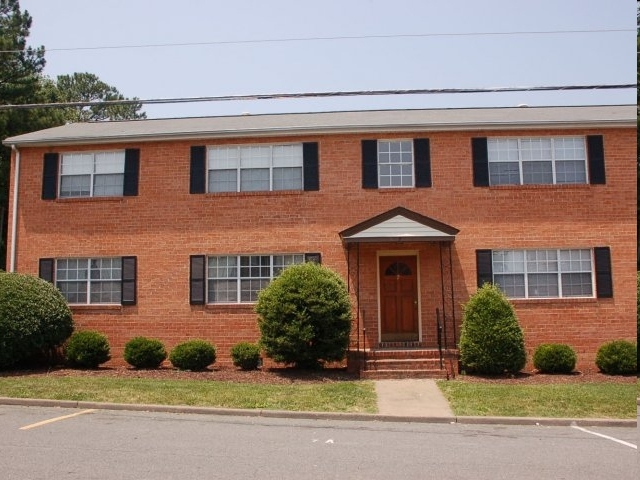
{"x": 343, "y": 37}
{"x": 278, "y": 96}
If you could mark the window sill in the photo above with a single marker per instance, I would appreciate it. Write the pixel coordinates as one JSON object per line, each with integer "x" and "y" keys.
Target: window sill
{"x": 543, "y": 186}
{"x": 230, "y": 307}
{"x": 89, "y": 200}
{"x": 95, "y": 308}
{"x": 253, "y": 194}
{"x": 396, "y": 189}
{"x": 551, "y": 301}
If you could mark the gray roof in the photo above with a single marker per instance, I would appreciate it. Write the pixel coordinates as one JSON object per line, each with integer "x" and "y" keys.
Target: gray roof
{"x": 331, "y": 122}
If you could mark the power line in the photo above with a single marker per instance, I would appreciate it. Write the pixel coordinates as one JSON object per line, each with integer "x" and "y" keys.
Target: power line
{"x": 342, "y": 37}
{"x": 352, "y": 93}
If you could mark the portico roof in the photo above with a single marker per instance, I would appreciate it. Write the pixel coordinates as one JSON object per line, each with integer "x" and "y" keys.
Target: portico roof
{"x": 399, "y": 225}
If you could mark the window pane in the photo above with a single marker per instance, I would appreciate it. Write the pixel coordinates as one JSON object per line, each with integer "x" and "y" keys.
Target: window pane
{"x": 508, "y": 261}
{"x": 541, "y": 261}
{"x": 249, "y": 289}
{"x": 73, "y": 292}
{"x": 289, "y": 178}
{"x": 255, "y": 179}
{"x": 502, "y": 149}
{"x": 575, "y": 260}
{"x": 287, "y": 155}
{"x": 535, "y": 149}
{"x": 511, "y": 285}
{"x": 223, "y": 291}
{"x": 224, "y": 158}
{"x": 576, "y": 285}
{"x": 543, "y": 285}
{"x": 75, "y": 186}
{"x": 105, "y": 292}
{"x": 223, "y": 181}
{"x": 108, "y": 185}
{"x": 255, "y": 157}
{"x": 76, "y": 164}
{"x": 109, "y": 162}
{"x": 570, "y": 148}
{"x": 572, "y": 171}
{"x": 395, "y": 164}
{"x": 504, "y": 173}
{"x": 223, "y": 267}
{"x": 537, "y": 173}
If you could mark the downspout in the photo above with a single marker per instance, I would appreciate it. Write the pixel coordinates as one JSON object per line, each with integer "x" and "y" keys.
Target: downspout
{"x": 14, "y": 211}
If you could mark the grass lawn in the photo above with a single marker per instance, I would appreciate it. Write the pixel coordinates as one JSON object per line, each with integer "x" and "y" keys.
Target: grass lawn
{"x": 580, "y": 400}
{"x": 353, "y": 396}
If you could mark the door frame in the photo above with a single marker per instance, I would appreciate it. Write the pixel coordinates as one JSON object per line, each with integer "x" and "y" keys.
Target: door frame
{"x": 398, "y": 253}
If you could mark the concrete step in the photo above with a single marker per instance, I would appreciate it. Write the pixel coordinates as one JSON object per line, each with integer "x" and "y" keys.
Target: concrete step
{"x": 403, "y": 364}
{"x": 399, "y": 374}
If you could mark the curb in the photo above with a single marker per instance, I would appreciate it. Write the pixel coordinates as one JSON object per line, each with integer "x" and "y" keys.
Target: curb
{"x": 358, "y": 417}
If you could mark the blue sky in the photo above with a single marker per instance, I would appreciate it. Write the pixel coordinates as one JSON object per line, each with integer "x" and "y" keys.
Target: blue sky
{"x": 477, "y": 51}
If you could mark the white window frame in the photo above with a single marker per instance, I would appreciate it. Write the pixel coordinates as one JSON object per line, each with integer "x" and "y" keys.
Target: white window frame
{"x": 554, "y": 160}
{"x": 401, "y": 163}
{"x": 88, "y": 280}
{"x": 99, "y": 161}
{"x": 274, "y": 271}
{"x": 558, "y": 272}
{"x": 298, "y": 162}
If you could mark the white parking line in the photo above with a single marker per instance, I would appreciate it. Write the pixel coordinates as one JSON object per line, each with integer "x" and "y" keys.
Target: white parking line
{"x": 605, "y": 436}
{"x": 56, "y": 419}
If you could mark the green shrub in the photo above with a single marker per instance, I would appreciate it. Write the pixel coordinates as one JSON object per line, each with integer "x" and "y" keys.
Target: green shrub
{"x": 193, "y": 355}
{"x": 246, "y": 355}
{"x": 491, "y": 341}
{"x": 34, "y": 318}
{"x": 554, "y": 358}
{"x": 142, "y": 352}
{"x": 305, "y": 316}
{"x": 87, "y": 349}
{"x": 618, "y": 357}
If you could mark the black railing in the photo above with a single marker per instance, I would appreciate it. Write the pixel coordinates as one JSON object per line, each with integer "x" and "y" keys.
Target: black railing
{"x": 439, "y": 336}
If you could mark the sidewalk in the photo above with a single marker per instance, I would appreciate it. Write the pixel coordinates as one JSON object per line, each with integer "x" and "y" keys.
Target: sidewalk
{"x": 411, "y": 398}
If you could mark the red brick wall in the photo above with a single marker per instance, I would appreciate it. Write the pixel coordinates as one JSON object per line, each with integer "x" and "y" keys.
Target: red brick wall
{"x": 164, "y": 225}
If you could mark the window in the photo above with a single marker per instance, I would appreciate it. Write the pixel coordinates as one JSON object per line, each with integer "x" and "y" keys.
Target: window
{"x": 525, "y": 161}
{"x": 239, "y": 278}
{"x": 395, "y": 163}
{"x": 255, "y": 168}
{"x": 88, "y": 174}
{"x": 90, "y": 280}
{"x": 543, "y": 273}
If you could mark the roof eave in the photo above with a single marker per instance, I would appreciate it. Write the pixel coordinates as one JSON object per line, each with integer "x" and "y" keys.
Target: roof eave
{"x": 318, "y": 130}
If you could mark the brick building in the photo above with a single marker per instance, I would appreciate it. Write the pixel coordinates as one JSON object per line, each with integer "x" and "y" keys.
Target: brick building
{"x": 169, "y": 228}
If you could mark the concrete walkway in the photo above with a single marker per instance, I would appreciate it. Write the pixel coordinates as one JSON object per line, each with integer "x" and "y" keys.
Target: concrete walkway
{"x": 411, "y": 398}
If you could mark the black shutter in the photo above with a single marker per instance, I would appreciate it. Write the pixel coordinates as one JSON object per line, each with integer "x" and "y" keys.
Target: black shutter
{"x": 50, "y": 176}
{"x": 198, "y": 176}
{"x": 480, "y": 162}
{"x": 604, "y": 282}
{"x": 310, "y": 167}
{"x": 197, "y": 279}
{"x": 369, "y": 164}
{"x": 422, "y": 162}
{"x": 45, "y": 269}
{"x": 484, "y": 264}
{"x": 595, "y": 155}
{"x": 313, "y": 257}
{"x": 129, "y": 273}
{"x": 131, "y": 172}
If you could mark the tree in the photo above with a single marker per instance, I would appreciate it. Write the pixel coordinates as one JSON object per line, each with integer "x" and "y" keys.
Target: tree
{"x": 87, "y": 87}
{"x": 305, "y": 316}
{"x": 34, "y": 318}
{"x": 491, "y": 340}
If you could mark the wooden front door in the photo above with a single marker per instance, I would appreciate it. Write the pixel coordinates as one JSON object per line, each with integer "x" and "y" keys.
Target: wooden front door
{"x": 398, "y": 299}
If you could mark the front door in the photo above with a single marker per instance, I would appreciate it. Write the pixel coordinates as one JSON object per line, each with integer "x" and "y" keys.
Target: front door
{"x": 398, "y": 299}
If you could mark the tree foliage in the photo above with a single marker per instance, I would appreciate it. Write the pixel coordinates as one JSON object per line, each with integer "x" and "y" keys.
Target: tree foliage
{"x": 491, "y": 340}
{"x": 305, "y": 316}
{"x": 34, "y": 318}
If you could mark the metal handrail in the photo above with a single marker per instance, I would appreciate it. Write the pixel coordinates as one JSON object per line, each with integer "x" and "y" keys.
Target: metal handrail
{"x": 439, "y": 336}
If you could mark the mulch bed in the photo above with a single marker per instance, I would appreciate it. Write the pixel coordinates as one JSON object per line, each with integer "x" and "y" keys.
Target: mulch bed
{"x": 279, "y": 376}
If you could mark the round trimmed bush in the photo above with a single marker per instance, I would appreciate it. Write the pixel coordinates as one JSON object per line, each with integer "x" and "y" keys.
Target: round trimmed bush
{"x": 554, "y": 358}
{"x": 246, "y": 355}
{"x": 618, "y": 357}
{"x": 142, "y": 352}
{"x": 491, "y": 340}
{"x": 87, "y": 349}
{"x": 305, "y": 316}
{"x": 34, "y": 318}
{"x": 193, "y": 355}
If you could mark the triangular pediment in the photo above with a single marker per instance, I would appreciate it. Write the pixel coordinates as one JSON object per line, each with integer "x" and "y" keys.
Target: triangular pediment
{"x": 399, "y": 225}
